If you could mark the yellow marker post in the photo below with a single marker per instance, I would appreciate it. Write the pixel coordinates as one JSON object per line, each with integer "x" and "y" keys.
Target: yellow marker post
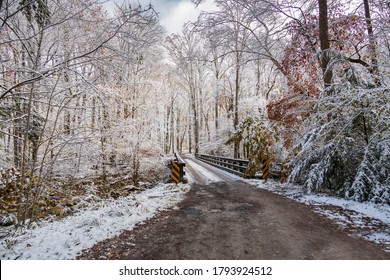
{"x": 266, "y": 169}
{"x": 176, "y": 172}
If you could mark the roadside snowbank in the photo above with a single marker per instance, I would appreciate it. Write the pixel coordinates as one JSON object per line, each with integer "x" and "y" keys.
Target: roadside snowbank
{"x": 66, "y": 238}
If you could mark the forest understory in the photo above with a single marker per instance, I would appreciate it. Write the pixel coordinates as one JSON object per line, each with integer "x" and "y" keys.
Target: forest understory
{"x": 62, "y": 197}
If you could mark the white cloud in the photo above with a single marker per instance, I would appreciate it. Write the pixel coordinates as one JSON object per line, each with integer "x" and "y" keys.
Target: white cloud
{"x": 173, "y": 14}
{"x": 183, "y": 12}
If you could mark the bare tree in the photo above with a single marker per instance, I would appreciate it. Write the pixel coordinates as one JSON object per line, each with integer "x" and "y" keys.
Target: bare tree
{"x": 229, "y": 28}
{"x": 58, "y": 60}
{"x": 184, "y": 52}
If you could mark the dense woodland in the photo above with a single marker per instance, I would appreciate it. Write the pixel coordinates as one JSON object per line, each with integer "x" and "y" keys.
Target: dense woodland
{"x": 86, "y": 93}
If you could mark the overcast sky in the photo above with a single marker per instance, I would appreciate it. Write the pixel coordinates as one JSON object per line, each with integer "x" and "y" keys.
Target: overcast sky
{"x": 173, "y": 13}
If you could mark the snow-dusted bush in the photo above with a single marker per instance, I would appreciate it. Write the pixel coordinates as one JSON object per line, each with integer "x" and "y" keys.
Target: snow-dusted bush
{"x": 346, "y": 147}
{"x": 260, "y": 140}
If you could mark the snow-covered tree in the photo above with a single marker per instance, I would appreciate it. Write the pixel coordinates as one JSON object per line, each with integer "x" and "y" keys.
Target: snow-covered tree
{"x": 346, "y": 147}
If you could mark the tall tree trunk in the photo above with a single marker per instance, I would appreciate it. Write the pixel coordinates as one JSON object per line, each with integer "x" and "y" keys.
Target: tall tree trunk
{"x": 207, "y": 127}
{"x": 216, "y": 108}
{"x": 196, "y": 126}
{"x": 200, "y": 109}
{"x": 67, "y": 116}
{"x": 166, "y": 144}
{"x": 16, "y": 123}
{"x": 172, "y": 138}
{"x": 236, "y": 148}
{"x": 258, "y": 77}
{"x": 189, "y": 130}
{"x": 217, "y": 88}
{"x": 93, "y": 115}
{"x": 194, "y": 109}
{"x": 324, "y": 42}
{"x": 105, "y": 125}
{"x": 371, "y": 38}
{"x": 178, "y": 147}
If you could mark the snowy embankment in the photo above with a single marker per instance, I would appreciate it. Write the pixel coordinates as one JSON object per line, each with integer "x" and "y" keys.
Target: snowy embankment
{"x": 65, "y": 239}
{"x": 364, "y": 219}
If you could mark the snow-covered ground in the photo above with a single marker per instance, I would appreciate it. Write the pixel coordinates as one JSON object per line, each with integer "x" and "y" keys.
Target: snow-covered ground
{"x": 66, "y": 238}
{"x": 367, "y": 220}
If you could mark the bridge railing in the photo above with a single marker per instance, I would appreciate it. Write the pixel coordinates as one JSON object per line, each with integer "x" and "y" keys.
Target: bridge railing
{"x": 232, "y": 165}
{"x": 239, "y": 166}
{"x": 178, "y": 158}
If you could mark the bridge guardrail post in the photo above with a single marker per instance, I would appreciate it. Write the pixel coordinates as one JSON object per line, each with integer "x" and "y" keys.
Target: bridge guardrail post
{"x": 178, "y": 172}
{"x": 266, "y": 168}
